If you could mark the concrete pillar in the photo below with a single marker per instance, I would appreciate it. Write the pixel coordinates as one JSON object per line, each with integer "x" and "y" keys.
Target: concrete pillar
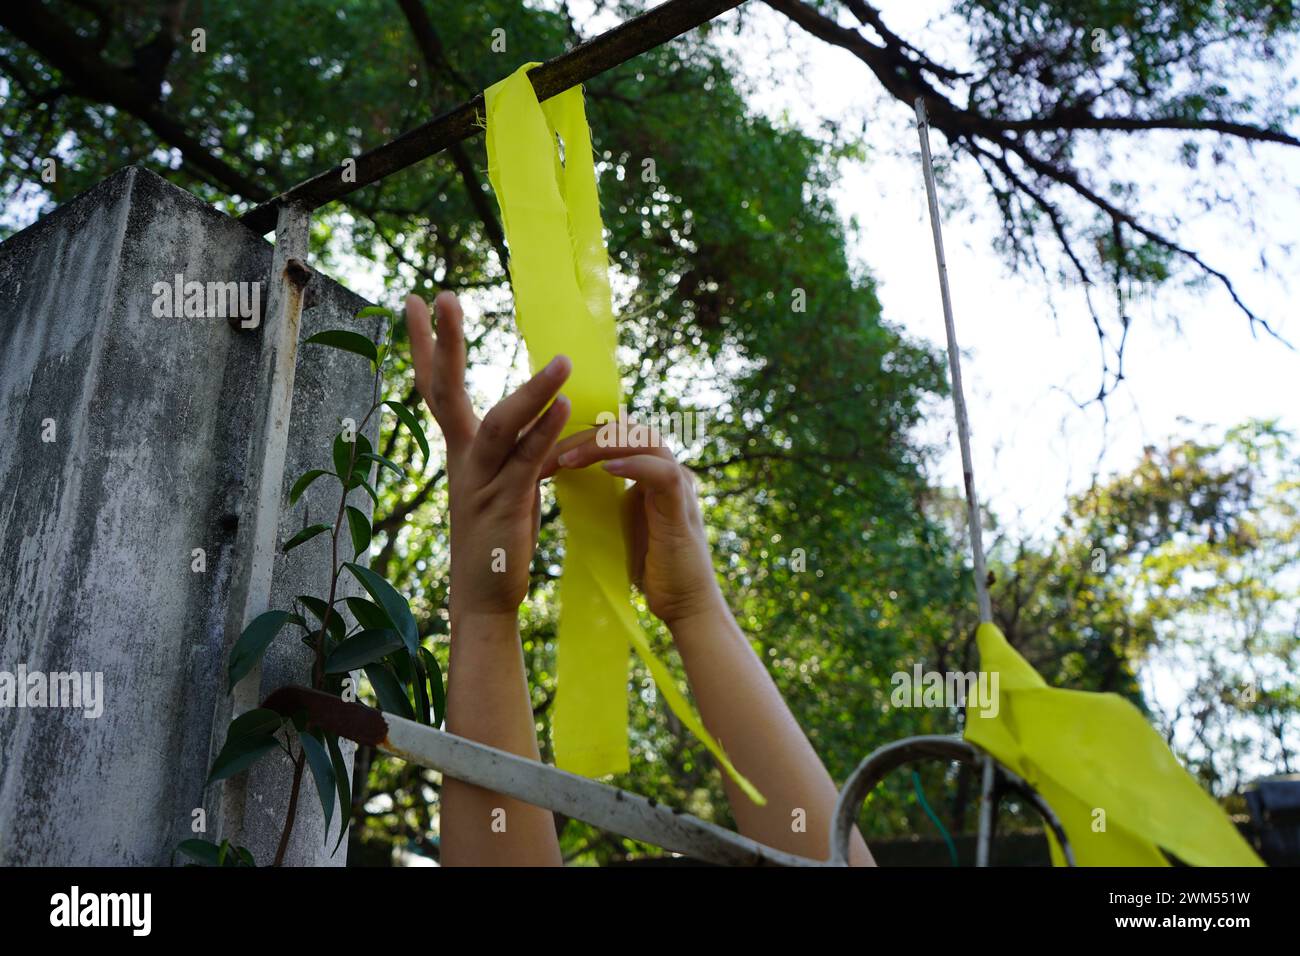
{"x": 127, "y": 447}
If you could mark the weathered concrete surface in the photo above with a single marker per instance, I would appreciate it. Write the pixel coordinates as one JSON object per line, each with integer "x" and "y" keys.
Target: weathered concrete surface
{"x": 99, "y": 525}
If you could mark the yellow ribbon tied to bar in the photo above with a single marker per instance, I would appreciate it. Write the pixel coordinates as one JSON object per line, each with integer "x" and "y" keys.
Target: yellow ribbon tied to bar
{"x": 559, "y": 271}
{"x": 1121, "y": 796}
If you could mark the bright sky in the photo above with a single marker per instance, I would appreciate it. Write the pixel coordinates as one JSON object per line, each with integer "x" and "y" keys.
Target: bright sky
{"x": 1024, "y": 369}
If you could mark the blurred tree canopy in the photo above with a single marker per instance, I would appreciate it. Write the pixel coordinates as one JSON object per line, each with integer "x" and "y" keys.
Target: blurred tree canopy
{"x": 739, "y": 305}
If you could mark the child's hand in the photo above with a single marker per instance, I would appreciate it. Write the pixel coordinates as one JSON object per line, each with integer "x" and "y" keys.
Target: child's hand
{"x": 668, "y": 550}
{"x": 493, "y": 466}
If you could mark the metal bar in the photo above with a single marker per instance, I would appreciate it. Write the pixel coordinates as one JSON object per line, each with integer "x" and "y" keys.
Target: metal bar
{"x": 651, "y": 29}
{"x": 609, "y": 808}
{"x": 988, "y": 800}
{"x": 259, "y": 520}
{"x": 954, "y": 365}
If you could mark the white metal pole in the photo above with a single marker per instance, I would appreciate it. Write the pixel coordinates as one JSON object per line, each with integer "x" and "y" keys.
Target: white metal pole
{"x": 954, "y": 365}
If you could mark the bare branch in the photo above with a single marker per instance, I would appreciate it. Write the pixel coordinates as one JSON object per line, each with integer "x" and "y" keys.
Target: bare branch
{"x": 901, "y": 75}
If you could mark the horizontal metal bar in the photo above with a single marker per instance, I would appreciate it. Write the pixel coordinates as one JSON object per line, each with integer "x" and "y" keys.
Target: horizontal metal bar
{"x": 610, "y": 808}
{"x": 645, "y": 32}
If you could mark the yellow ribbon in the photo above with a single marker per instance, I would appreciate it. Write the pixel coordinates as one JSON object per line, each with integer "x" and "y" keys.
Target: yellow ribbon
{"x": 1119, "y": 792}
{"x": 559, "y": 273}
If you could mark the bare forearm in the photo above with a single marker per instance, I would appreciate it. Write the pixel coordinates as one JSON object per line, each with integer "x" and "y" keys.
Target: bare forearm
{"x": 488, "y": 701}
{"x": 742, "y": 707}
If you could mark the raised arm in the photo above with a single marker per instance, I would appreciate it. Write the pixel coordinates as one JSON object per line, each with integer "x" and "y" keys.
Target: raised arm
{"x": 738, "y": 700}
{"x": 492, "y": 472}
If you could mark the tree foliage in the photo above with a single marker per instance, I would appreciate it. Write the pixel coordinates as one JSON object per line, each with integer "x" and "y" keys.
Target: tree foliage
{"x": 738, "y": 303}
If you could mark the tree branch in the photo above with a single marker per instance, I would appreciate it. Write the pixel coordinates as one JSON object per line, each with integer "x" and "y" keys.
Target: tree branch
{"x": 435, "y": 62}
{"x": 901, "y": 75}
{"x": 79, "y": 60}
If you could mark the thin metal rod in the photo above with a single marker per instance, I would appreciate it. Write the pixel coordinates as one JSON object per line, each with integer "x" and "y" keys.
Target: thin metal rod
{"x": 645, "y": 32}
{"x": 984, "y": 842}
{"x": 954, "y": 365}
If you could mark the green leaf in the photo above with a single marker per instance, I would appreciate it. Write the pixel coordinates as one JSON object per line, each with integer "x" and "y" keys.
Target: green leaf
{"x": 401, "y": 665}
{"x": 388, "y": 691}
{"x": 365, "y": 647}
{"x": 359, "y": 525}
{"x": 239, "y": 754}
{"x": 337, "y": 627}
{"x": 341, "y": 454}
{"x": 394, "y": 605}
{"x": 322, "y": 770}
{"x": 437, "y": 691}
{"x": 412, "y": 424}
{"x": 348, "y": 341}
{"x": 306, "y": 534}
{"x": 368, "y": 613}
{"x": 385, "y": 463}
{"x": 205, "y": 852}
{"x": 257, "y": 637}
{"x": 421, "y": 691}
{"x": 343, "y": 782}
{"x": 372, "y": 310}
{"x": 260, "y": 722}
{"x": 301, "y": 484}
{"x": 347, "y": 461}
{"x": 362, "y": 483}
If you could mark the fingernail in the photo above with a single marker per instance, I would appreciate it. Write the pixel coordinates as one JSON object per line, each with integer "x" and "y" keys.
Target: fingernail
{"x": 568, "y": 458}
{"x": 556, "y": 364}
{"x": 614, "y": 465}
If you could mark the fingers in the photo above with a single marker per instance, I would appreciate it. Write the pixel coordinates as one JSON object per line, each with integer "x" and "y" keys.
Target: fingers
{"x": 440, "y": 364}
{"x": 499, "y": 433}
{"x": 420, "y": 332}
{"x": 551, "y": 465}
{"x": 584, "y": 448}
{"x": 448, "y": 384}
{"x": 669, "y": 486}
{"x": 525, "y": 462}
{"x": 635, "y": 532}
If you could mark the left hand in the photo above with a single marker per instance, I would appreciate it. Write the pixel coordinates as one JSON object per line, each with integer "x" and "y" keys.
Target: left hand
{"x": 492, "y": 465}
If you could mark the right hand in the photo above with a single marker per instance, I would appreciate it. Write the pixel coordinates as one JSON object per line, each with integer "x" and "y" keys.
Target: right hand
{"x": 668, "y": 556}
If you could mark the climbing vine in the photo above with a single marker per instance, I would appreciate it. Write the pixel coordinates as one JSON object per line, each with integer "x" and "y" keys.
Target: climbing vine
{"x": 382, "y": 640}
